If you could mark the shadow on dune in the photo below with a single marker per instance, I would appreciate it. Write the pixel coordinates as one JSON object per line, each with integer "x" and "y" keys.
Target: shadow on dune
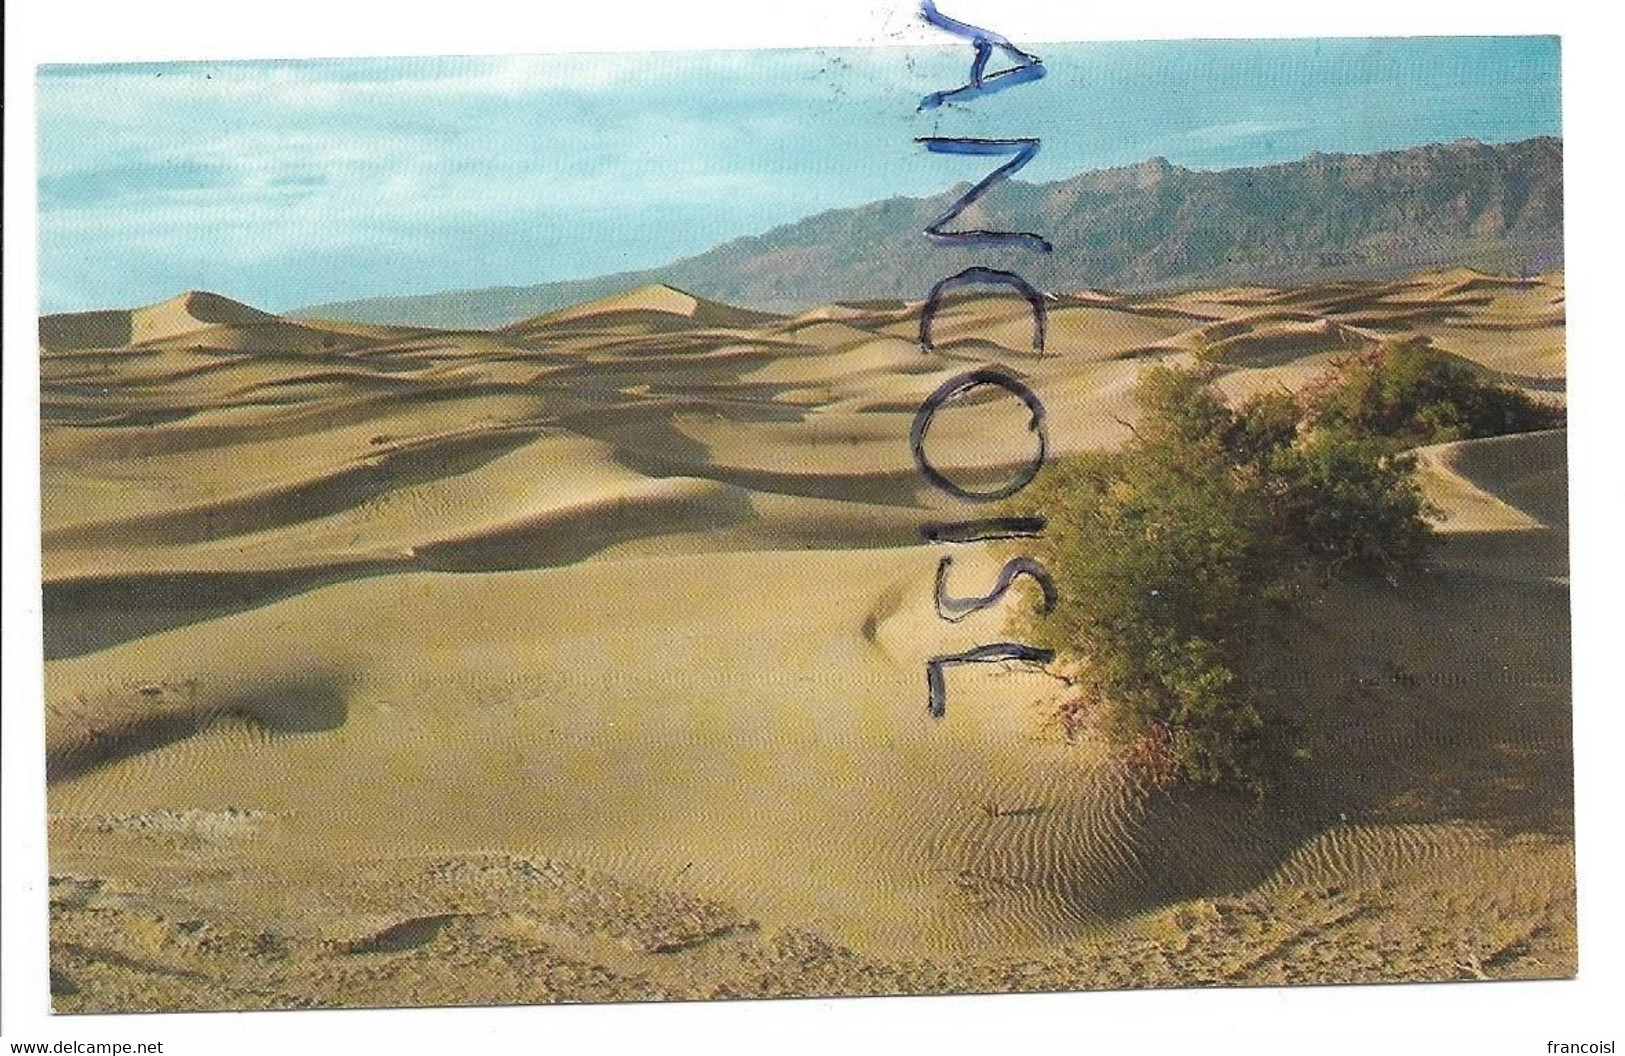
{"x": 1536, "y": 554}
{"x": 1452, "y": 704}
{"x": 230, "y": 425}
{"x": 94, "y": 613}
{"x": 1535, "y": 383}
{"x": 652, "y": 444}
{"x": 1526, "y": 470}
{"x": 306, "y": 703}
{"x": 1432, "y": 716}
{"x": 566, "y": 537}
{"x": 82, "y": 330}
{"x": 84, "y": 615}
{"x": 334, "y": 492}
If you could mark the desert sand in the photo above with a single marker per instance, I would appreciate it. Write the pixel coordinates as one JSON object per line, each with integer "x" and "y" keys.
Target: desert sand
{"x": 583, "y": 660}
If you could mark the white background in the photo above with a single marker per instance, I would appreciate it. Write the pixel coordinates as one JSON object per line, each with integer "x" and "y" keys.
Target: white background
{"x": 1483, "y": 1017}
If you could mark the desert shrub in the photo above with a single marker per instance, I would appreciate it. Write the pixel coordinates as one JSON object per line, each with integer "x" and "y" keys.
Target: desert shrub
{"x": 1177, "y": 556}
{"x": 1348, "y": 500}
{"x": 1410, "y": 393}
{"x": 1268, "y": 423}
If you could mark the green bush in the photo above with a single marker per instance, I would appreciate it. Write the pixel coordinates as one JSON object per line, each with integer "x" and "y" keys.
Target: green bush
{"x": 1351, "y": 501}
{"x": 1176, "y": 556}
{"x": 1411, "y": 393}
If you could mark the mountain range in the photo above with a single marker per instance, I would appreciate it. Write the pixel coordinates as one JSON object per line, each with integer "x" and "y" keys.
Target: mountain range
{"x": 1152, "y": 225}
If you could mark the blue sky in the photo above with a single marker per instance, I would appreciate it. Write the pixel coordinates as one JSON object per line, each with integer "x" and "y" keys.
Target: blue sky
{"x": 291, "y": 183}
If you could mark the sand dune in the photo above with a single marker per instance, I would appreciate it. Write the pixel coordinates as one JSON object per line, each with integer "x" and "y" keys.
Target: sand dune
{"x": 187, "y": 313}
{"x": 202, "y": 321}
{"x": 1504, "y": 483}
{"x": 645, "y": 305}
{"x": 584, "y": 659}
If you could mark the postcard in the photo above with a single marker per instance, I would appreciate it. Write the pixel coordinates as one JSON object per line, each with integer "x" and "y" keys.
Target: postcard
{"x": 997, "y": 516}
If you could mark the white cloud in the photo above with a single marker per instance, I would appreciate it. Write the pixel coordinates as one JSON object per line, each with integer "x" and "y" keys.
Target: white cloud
{"x": 1234, "y": 131}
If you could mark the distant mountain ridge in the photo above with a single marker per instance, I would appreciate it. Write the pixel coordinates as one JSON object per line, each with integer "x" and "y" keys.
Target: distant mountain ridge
{"x": 1145, "y": 226}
